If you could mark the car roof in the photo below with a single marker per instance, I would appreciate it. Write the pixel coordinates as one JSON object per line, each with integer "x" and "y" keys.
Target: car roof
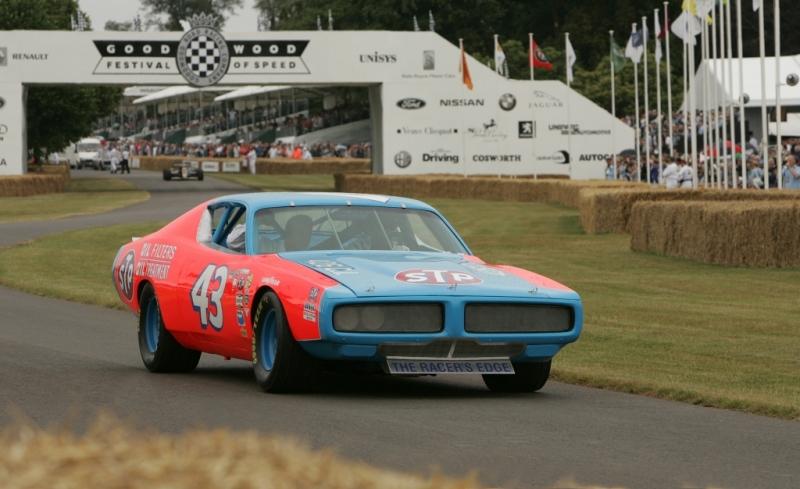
{"x": 260, "y": 200}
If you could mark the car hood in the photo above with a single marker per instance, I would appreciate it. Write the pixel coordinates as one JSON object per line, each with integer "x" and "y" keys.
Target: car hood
{"x": 393, "y": 273}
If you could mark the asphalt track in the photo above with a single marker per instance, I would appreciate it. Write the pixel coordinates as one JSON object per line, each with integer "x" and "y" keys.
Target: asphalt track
{"x": 61, "y": 362}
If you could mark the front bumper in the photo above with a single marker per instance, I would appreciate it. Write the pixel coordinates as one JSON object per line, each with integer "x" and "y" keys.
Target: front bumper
{"x": 521, "y": 347}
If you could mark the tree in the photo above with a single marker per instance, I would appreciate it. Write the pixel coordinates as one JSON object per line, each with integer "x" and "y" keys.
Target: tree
{"x": 113, "y": 25}
{"x": 56, "y": 116}
{"x": 177, "y": 10}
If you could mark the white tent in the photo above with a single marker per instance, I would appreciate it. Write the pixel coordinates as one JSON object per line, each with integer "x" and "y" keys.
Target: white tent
{"x": 177, "y": 91}
{"x": 249, "y": 91}
{"x": 713, "y": 69}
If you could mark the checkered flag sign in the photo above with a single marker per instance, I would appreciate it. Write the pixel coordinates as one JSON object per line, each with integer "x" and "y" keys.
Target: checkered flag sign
{"x": 202, "y": 56}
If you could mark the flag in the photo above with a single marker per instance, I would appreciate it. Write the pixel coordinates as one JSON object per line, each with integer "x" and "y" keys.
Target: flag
{"x": 570, "y": 55}
{"x": 500, "y": 65}
{"x": 686, "y": 27}
{"x": 431, "y": 22}
{"x": 538, "y": 59}
{"x": 635, "y": 47}
{"x": 416, "y": 24}
{"x": 617, "y": 56}
{"x": 463, "y": 67}
{"x": 756, "y": 4}
{"x": 658, "y": 37}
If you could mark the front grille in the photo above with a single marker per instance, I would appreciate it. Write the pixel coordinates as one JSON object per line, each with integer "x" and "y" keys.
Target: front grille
{"x": 391, "y": 317}
{"x": 442, "y": 349}
{"x": 517, "y": 318}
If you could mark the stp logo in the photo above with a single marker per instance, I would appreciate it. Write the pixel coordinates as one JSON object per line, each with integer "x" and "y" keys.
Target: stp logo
{"x": 420, "y": 276}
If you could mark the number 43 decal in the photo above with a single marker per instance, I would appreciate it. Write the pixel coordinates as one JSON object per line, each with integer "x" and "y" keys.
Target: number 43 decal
{"x": 207, "y": 295}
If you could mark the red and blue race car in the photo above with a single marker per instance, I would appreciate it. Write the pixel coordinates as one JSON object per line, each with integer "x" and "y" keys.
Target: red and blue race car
{"x": 296, "y": 281}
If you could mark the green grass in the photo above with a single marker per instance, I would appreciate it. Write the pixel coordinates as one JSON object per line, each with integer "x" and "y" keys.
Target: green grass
{"x": 671, "y": 328}
{"x": 83, "y": 196}
{"x": 303, "y": 183}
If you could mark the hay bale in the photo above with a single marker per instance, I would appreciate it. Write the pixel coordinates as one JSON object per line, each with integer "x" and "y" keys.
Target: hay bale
{"x": 732, "y": 233}
{"x": 110, "y": 455}
{"x": 33, "y": 184}
{"x": 608, "y": 210}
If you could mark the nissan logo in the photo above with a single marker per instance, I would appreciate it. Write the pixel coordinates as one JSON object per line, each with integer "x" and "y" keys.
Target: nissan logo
{"x": 411, "y": 103}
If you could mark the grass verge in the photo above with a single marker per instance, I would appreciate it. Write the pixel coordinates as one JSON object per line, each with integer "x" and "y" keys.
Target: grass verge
{"x": 660, "y": 326}
{"x": 83, "y": 196}
{"x": 302, "y": 183}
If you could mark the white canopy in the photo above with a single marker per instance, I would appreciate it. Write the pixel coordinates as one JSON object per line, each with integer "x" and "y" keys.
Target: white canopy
{"x": 177, "y": 91}
{"x": 249, "y": 91}
{"x": 713, "y": 71}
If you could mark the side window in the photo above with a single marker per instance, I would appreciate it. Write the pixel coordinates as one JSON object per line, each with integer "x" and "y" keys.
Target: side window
{"x": 222, "y": 226}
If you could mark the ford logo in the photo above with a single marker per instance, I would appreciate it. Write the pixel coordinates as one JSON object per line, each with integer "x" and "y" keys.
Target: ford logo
{"x": 411, "y": 103}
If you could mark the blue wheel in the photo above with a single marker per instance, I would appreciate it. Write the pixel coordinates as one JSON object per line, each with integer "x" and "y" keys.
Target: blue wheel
{"x": 158, "y": 348}
{"x": 280, "y": 364}
{"x": 152, "y": 325}
{"x": 268, "y": 343}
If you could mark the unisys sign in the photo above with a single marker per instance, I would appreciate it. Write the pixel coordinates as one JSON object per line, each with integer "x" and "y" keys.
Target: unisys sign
{"x": 436, "y": 277}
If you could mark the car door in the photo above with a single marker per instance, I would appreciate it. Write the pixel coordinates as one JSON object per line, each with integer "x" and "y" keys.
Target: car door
{"x": 213, "y": 284}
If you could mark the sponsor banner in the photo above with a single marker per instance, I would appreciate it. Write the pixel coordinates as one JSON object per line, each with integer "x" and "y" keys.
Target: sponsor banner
{"x": 575, "y": 130}
{"x": 136, "y": 163}
{"x": 231, "y": 167}
{"x": 427, "y": 131}
{"x": 210, "y": 166}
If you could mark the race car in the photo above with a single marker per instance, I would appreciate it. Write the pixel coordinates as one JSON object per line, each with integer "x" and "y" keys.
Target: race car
{"x": 299, "y": 282}
{"x": 184, "y": 170}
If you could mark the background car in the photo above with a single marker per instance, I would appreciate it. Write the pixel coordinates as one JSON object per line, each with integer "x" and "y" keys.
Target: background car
{"x": 296, "y": 281}
{"x": 183, "y": 171}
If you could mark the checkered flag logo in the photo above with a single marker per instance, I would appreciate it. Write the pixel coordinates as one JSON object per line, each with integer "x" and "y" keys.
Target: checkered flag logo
{"x": 202, "y": 56}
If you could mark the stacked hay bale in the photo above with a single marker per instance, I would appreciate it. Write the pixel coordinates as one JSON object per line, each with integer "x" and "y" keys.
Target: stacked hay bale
{"x": 34, "y": 184}
{"x": 739, "y": 233}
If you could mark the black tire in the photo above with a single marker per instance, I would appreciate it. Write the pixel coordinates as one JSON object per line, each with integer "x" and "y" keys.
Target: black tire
{"x": 529, "y": 377}
{"x": 167, "y": 175}
{"x": 165, "y": 354}
{"x": 200, "y": 175}
{"x": 291, "y": 368}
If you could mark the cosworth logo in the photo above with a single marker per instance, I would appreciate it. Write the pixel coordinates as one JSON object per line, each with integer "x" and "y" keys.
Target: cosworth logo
{"x": 202, "y": 56}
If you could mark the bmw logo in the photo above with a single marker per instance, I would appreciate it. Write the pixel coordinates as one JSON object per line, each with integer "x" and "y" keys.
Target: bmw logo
{"x": 507, "y": 101}
{"x": 402, "y": 159}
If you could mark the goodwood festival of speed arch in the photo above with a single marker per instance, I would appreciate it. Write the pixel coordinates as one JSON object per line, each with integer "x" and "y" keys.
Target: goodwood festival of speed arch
{"x": 424, "y": 119}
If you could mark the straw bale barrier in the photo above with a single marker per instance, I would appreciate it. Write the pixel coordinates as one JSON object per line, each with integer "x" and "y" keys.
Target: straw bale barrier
{"x": 33, "y": 184}
{"x": 608, "y": 210}
{"x": 743, "y": 233}
{"x": 111, "y": 455}
{"x": 275, "y": 166}
{"x": 564, "y": 192}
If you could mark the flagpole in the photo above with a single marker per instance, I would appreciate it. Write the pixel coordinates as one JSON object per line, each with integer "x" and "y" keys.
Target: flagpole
{"x": 613, "y": 106}
{"x": 706, "y": 125}
{"x": 715, "y": 99}
{"x": 646, "y": 104}
{"x": 463, "y": 132}
{"x": 685, "y": 101}
{"x": 530, "y": 52}
{"x": 569, "y": 115}
{"x": 637, "y": 131}
{"x": 762, "y": 55}
{"x": 722, "y": 96}
{"x": 778, "y": 116}
{"x": 729, "y": 101}
{"x": 496, "y": 67}
{"x": 693, "y": 110}
{"x": 669, "y": 81}
{"x": 742, "y": 135}
{"x": 658, "y": 99}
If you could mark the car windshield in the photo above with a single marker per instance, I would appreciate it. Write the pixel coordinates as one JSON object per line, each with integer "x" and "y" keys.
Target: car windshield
{"x": 352, "y": 228}
{"x": 88, "y": 147}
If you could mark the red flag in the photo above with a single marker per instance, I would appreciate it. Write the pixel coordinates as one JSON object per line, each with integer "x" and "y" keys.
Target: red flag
{"x": 538, "y": 58}
{"x": 466, "y": 79}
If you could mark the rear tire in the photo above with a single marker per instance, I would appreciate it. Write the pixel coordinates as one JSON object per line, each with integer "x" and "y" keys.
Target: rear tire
{"x": 160, "y": 352}
{"x": 528, "y": 377}
{"x": 200, "y": 175}
{"x": 279, "y": 362}
{"x": 167, "y": 175}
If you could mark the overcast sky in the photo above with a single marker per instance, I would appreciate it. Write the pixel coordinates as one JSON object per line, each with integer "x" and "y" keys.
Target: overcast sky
{"x": 244, "y": 20}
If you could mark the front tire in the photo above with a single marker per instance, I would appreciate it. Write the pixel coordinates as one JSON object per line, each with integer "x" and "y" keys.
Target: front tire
{"x": 159, "y": 350}
{"x": 528, "y": 377}
{"x": 200, "y": 175}
{"x": 167, "y": 175}
{"x": 279, "y": 362}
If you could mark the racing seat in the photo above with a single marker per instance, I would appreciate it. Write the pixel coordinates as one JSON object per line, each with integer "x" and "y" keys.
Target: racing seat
{"x": 297, "y": 233}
